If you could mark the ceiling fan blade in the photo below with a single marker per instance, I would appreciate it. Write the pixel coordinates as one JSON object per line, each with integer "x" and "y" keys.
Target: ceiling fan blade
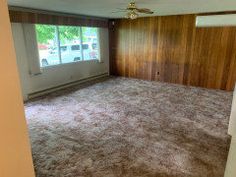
{"x": 145, "y": 11}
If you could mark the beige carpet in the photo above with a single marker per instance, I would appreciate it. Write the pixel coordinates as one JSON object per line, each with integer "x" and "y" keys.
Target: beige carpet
{"x": 130, "y": 128}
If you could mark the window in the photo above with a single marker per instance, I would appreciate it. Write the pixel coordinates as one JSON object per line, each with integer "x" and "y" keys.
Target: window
{"x": 94, "y": 46}
{"x": 63, "y": 48}
{"x": 75, "y": 47}
{"x": 63, "y": 44}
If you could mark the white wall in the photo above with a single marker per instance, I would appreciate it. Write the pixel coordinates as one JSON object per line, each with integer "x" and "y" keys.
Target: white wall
{"x": 57, "y": 75}
{"x": 232, "y": 122}
{"x": 230, "y": 170}
{"x": 15, "y": 151}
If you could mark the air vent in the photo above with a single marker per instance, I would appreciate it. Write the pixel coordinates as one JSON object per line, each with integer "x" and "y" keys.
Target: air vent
{"x": 216, "y": 20}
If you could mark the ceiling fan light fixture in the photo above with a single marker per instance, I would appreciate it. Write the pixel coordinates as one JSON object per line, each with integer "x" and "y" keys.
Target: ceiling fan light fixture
{"x": 132, "y": 15}
{"x": 133, "y": 11}
{"x": 131, "y": 6}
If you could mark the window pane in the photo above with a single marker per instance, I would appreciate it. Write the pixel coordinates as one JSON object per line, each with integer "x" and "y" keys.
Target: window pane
{"x": 75, "y": 47}
{"x": 85, "y": 46}
{"x": 70, "y": 44}
{"x": 90, "y": 43}
{"x": 47, "y": 45}
{"x": 63, "y": 48}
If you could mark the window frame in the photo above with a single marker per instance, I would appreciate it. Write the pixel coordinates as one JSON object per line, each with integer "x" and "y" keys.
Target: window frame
{"x": 57, "y": 30}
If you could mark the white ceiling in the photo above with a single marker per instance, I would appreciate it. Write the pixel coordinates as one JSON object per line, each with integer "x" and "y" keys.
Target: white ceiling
{"x": 104, "y": 8}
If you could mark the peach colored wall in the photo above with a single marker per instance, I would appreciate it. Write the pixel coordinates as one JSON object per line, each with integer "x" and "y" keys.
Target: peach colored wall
{"x": 15, "y": 154}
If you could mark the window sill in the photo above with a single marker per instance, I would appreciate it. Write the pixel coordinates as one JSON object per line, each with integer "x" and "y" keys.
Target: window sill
{"x": 72, "y": 63}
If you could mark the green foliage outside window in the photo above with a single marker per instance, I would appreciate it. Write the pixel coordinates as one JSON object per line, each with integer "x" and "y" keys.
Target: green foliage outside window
{"x": 67, "y": 33}
{"x": 45, "y": 33}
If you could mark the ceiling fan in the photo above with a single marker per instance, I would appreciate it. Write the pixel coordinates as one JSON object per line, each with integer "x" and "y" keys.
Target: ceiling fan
{"x": 133, "y": 11}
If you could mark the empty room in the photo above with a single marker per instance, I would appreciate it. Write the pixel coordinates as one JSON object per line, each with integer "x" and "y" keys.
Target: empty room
{"x": 118, "y": 88}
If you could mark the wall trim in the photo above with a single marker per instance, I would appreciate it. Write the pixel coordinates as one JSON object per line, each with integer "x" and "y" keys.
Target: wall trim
{"x": 36, "y": 16}
{"x": 33, "y": 10}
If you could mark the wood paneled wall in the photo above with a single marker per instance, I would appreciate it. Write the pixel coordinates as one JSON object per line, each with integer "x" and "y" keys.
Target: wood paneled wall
{"x": 37, "y": 17}
{"x": 172, "y": 49}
